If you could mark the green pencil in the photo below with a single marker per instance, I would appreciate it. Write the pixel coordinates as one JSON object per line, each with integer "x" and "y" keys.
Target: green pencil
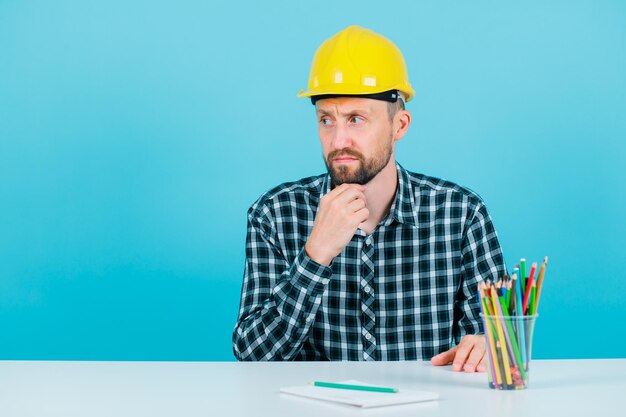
{"x": 500, "y": 292}
{"x": 522, "y": 270}
{"x": 353, "y": 387}
{"x": 507, "y": 288}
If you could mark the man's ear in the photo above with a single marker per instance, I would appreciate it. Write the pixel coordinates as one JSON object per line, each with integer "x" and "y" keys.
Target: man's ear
{"x": 401, "y": 124}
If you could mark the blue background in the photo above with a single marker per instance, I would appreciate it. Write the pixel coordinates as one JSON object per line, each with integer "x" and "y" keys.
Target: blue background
{"x": 133, "y": 138}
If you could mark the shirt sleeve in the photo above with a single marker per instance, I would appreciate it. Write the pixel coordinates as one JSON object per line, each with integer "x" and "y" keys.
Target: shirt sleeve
{"x": 482, "y": 259}
{"x": 279, "y": 298}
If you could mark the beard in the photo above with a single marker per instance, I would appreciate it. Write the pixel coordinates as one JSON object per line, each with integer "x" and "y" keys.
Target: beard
{"x": 366, "y": 170}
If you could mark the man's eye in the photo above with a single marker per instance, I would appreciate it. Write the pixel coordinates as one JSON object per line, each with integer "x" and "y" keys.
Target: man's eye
{"x": 356, "y": 119}
{"x": 325, "y": 122}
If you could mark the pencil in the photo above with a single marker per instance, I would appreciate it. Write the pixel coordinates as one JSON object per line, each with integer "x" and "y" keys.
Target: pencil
{"x": 542, "y": 271}
{"x": 500, "y": 291}
{"x": 493, "y": 335}
{"x": 493, "y": 365}
{"x": 513, "y": 296}
{"x": 508, "y": 293}
{"x": 511, "y": 303}
{"x": 502, "y": 340}
{"x": 353, "y": 387}
{"x": 520, "y": 322}
{"x": 532, "y": 305}
{"x": 522, "y": 270}
{"x": 529, "y": 284}
{"x": 488, "y": 305}
{"x": 509, "y": 333}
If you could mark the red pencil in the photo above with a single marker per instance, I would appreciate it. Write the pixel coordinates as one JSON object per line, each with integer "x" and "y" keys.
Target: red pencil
{"x": 528, "y": 285}
{"x": 542, "y": 271}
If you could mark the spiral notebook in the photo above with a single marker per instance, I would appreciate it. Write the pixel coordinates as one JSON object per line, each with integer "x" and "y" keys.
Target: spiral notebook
{"x": 361, "y": 399}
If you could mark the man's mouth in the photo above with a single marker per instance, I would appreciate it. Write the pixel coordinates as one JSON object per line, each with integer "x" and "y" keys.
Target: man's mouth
{"x": 344, "y": 159}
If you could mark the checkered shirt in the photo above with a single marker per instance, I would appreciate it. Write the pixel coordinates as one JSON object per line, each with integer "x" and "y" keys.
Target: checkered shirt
{"x": 407, "y": 291}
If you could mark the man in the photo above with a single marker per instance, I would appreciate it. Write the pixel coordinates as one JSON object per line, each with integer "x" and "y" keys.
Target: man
{"x": 371, "y": 261}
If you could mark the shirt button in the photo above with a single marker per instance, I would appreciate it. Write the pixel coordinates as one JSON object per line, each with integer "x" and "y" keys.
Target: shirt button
{"x": 367, "y": 290}
{"x": 368, "y": 336}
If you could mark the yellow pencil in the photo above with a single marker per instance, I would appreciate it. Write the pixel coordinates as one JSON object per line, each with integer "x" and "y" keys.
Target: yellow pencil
{"x": 492, "y": 344}
{"x": 503, "y": 348}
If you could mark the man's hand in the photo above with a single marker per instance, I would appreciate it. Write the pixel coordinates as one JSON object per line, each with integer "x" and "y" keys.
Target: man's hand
{"x": 340, "y": 213}
{"x": 468, "y": 356}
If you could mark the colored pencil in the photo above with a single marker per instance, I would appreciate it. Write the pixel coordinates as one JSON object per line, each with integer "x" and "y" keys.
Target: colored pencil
{"x": 508, "y": 293}
{"x": 494, "y": 370}
{"x": 520, "y": 324}
{"x": 511, "y": 340}
{"x": 522, "y": 263}
{"x": 513, "y": 306}
{"x": 542, "y": 271}
{"x": 503, "y": 350}
{"x": 516, "y": 357}
{"x": 529, "y": 284}
{"x": 353, "y": 387}
{"x": 533, "y": 294}
{"x": 500, "y": 292}
{"x": 509, "y": 306}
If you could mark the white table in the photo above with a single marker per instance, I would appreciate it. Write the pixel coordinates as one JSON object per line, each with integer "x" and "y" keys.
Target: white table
{"x": 41, "y": 388}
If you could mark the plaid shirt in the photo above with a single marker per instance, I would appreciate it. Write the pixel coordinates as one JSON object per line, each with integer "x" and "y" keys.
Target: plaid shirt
{"x": 407, "y": 291}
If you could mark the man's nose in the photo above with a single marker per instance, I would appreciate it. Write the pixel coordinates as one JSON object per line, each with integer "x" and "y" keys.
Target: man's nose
{"x": 341, "y": 137}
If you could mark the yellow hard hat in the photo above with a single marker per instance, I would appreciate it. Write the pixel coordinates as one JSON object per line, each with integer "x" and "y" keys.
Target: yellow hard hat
{"x": 358, "y": 61}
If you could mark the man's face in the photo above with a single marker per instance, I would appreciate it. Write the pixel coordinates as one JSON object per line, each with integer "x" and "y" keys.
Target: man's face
{"x": 356, "y": 136}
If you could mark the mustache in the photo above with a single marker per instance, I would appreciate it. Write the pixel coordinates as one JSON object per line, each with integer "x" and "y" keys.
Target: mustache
{"x": 344, "y": 152}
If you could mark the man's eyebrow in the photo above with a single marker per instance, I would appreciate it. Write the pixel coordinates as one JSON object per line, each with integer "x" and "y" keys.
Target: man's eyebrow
{"x": 351, "y": 112}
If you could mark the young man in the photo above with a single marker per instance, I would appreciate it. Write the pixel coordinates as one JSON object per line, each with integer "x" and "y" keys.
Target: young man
{"x": 369, "y": 261}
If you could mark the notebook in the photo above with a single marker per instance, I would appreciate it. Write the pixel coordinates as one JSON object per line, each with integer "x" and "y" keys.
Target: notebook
{"x": 364, "y": 399}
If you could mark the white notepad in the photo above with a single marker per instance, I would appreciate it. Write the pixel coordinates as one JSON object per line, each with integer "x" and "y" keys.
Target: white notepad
{"x": 364, "y": 399}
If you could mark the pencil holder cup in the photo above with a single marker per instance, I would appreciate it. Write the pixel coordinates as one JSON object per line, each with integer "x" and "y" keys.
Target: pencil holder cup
{"x": 509, "y": 345}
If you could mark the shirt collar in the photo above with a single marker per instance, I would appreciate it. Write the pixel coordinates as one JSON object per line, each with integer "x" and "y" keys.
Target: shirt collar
{"x": 404, "y": 206}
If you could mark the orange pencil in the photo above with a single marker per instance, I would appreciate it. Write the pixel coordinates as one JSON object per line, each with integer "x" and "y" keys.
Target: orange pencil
{"x": 486, "y": 297}
{"x": 492, "y": 351}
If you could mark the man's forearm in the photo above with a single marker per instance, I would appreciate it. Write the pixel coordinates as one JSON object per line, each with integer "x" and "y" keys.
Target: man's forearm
{"x": 276, "y": 327}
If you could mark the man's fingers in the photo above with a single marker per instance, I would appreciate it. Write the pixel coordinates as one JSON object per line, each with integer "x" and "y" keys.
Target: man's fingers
{"x": 468, "y": 355}
{"x": 346, "y": 187}
{"x": 350, "y": 195}
{"x": 461, "y": 356}
{"x": 356, "y": 205}
{"x": 476, "y": 355}
{"x": 362, "y": 215}
{"x": 341, "y": 200}
{"x": 444, "y": 358}
{"x": 482, "y": 365}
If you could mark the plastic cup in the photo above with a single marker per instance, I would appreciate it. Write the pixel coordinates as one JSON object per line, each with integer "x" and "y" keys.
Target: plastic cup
{"x": 509, "y": 345}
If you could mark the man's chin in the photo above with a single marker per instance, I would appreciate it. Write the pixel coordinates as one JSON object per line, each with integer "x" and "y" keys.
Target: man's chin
{"x": 345, "y": 176}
